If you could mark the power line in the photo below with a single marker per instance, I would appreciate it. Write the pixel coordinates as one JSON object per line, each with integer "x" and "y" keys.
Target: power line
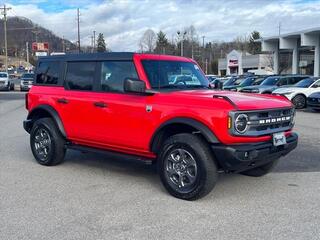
{"x": 4, "y": 13}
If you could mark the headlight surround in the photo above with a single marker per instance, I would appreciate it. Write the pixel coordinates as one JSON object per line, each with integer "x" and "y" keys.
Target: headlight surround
{"x": 241, "y": 123}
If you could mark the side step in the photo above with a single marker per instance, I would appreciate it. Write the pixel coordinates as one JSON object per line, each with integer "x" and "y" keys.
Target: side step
{"x": 112, "y": 154}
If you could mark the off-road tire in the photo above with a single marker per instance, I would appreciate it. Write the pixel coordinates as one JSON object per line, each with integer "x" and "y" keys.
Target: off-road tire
{"x": 206, "y": 169}
{"x": 56, "y": 148}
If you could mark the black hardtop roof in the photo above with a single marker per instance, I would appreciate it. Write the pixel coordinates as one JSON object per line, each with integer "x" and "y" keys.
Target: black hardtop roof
{"x": 90, "y": 56}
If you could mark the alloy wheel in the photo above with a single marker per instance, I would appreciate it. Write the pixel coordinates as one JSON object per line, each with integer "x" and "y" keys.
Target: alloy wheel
{"x": 42, "y": 143}
{"x": 181, "y": 169}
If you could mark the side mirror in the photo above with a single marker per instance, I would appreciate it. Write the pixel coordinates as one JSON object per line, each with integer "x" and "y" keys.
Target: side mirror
{"x": 134, "y": 85}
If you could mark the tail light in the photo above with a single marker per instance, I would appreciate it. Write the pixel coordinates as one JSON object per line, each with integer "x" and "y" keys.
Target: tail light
{"x": 26, "y": 101}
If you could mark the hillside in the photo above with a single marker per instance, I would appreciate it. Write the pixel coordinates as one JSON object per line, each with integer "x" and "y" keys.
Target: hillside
{"x": 22, "y": 30}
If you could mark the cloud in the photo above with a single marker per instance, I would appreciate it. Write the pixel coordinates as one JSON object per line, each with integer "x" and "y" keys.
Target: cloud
{"x": 123, "y": 22}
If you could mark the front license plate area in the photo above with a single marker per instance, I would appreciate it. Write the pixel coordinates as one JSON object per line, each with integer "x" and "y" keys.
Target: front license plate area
{"x": 279, "y": 139}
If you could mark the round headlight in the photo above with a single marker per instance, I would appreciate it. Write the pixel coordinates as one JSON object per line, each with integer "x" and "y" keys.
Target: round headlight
{"x": 241, "y": 123}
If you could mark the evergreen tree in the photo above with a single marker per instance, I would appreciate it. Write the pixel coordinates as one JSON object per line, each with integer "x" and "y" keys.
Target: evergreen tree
{"x": 162, "y": 42}
{"x": 101, "y": 44}
{"x": 254, "y": 47}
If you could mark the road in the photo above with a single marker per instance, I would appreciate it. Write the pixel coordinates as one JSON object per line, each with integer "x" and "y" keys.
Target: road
{"x": 92, "y": 197}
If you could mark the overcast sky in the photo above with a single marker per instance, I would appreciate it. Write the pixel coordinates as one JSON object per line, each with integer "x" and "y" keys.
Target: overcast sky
{"x": 123, "y": 22}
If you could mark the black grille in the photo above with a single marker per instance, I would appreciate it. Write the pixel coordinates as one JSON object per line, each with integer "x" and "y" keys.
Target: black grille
{"x": 265, "y": 122}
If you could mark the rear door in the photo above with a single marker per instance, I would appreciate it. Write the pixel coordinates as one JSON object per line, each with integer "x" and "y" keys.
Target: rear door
{"x": 77, "y": 102}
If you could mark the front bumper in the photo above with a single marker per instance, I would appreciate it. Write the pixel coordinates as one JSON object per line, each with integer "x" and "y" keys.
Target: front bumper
{"x": 238, "y": 158}
{"x": 314, "y": 105}
{"x": 4, "y": 86}
{"x": 25, "y": 87}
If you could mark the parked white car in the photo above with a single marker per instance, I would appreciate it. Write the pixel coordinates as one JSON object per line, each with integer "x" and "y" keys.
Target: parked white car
{"x": 5, "y": 82}
{"x": 299, "y": 92}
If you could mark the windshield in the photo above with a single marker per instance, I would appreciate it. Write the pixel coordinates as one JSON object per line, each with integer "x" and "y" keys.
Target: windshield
{"x": 304, "y": 83}
{"x": 174, "y": 74}
{"x": 270, "y": 81}
{"x": 27, "y": 75}
{"x": 3, "y": 75}
{"x": 229, "y": 82}
{"x": 247, "y": 82}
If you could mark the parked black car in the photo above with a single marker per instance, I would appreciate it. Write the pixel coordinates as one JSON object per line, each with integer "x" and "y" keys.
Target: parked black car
{"x": 244, "y": 82}
{"x": 313, "y": 101}
{"x": 273, "y": 82}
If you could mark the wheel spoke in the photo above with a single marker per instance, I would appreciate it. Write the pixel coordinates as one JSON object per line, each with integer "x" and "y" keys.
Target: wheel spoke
{"x": 190, "y": 177}
{"x": 181, "y": 183}
{"x": 182, "y": 154}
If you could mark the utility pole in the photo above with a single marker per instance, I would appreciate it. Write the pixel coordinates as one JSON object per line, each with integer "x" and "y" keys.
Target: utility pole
{"x": 203, "y": 37}
{"x": 63, "y": 45}
{"x": 78, "y": 21}
{"x": 206, "y": 65}
{"x": 27, "y": 50}
{"x": 94, "y": 41}
{"x": 92, "y": 44}
{"x": 4, "y": 13}
{"x": 181, "y": 36}
{"x": 279, "y": 27}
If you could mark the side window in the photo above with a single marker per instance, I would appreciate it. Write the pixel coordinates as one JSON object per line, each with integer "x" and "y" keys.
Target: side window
{"x": 316, "y": 84}
{"x": 80, "y": 75}
{"x": 48, "y": 73}
{"x": 294, "y": 80}
{"x": 113, "y": 74}
{"x": 283, "y": 81}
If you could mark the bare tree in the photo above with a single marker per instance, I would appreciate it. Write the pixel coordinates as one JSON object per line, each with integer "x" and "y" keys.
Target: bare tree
{"x": 148, "y": 41}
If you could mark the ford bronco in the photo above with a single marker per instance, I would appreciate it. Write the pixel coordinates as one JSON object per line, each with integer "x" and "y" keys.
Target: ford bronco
{"x": 155, "y": 109}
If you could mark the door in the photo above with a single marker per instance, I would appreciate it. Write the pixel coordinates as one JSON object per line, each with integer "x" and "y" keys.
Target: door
{"x": 121, "y": 123}
{"x": 76, "y": 105}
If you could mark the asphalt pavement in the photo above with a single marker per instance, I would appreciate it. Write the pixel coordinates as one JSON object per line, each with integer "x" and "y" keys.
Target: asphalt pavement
{"x": 90, "y": 196}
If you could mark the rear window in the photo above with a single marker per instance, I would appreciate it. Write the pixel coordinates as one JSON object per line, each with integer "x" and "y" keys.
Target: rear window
{"x": 48, "y": 73}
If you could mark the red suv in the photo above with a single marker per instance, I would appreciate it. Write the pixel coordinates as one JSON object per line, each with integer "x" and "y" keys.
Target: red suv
{"x": 156, "y": 109}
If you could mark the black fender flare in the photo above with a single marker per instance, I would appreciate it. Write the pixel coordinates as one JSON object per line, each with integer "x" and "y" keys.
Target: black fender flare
{"x": 51, "y": 112}
{"x": 199, "y": 126}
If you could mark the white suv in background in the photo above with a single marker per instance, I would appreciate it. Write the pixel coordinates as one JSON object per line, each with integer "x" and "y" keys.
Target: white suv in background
{"x": 5, "y": 82}
{"x": 299, "y": 92}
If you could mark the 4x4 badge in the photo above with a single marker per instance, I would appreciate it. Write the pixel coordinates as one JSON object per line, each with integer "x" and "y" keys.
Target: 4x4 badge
{"x": 149, "y": 108}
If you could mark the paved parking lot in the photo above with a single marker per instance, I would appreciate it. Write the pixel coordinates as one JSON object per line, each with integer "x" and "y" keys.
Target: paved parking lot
{"x": 93, "y": 197}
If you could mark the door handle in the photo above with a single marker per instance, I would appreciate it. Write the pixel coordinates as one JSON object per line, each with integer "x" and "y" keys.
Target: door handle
{"x": 100, "y": 104}
{"x": 62, "y": 100}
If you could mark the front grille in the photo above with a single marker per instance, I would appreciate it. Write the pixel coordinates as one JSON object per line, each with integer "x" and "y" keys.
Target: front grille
{"x": 266, "y": 122}
{"x": 314, "y": 100}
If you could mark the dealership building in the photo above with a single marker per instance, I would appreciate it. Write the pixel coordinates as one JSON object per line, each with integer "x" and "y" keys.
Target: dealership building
{"x": 290, "y": 53}
{"x": 238, "y": 62}
{"x": 301, "y": 48}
